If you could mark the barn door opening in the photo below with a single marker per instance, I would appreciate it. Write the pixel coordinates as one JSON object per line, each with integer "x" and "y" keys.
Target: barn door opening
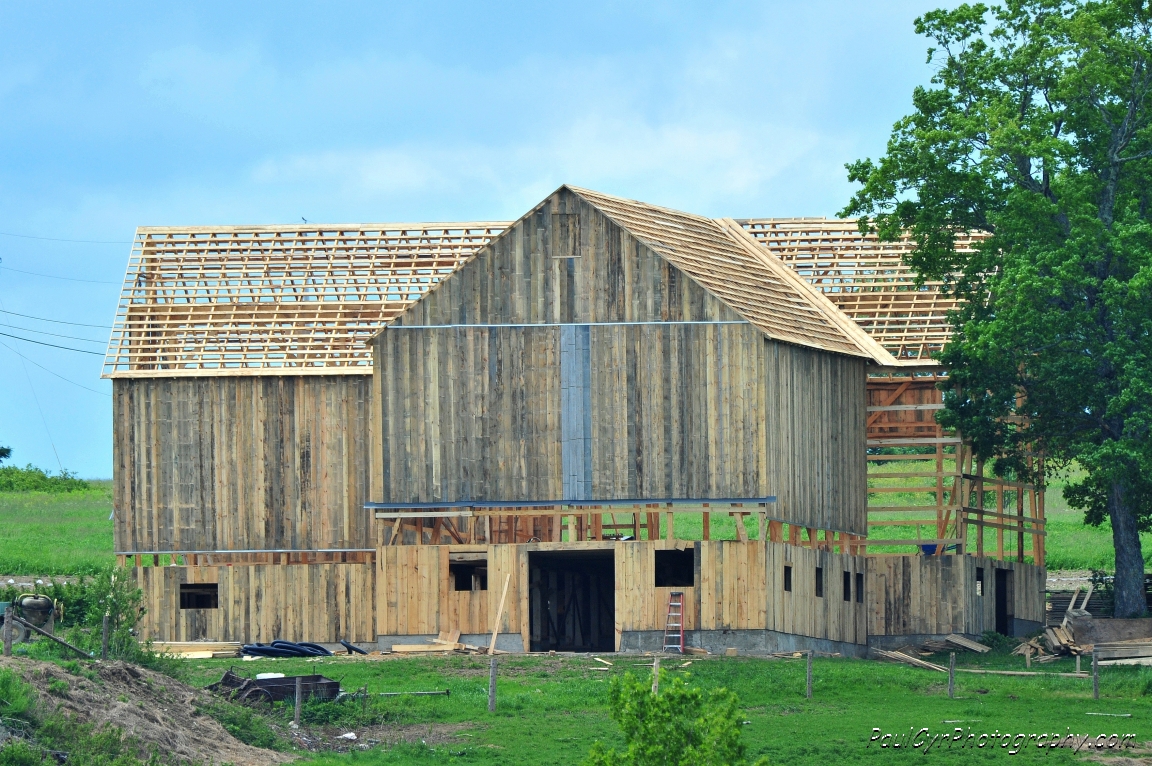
{"x": 1004, "y": 601}
{"x": 572, "y": 601}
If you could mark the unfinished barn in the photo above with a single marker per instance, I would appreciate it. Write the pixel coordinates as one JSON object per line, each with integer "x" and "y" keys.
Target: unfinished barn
{"x": 567, "y": 432}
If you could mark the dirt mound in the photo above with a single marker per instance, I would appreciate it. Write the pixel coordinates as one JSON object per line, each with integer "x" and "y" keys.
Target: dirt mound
{"x": 158, "y": 710}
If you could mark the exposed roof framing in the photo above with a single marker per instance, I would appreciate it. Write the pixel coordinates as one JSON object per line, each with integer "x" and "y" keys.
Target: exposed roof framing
{"x": 251, "y": 300}
{"x": 721, "y": 257}
{"x": 866, "y": 278}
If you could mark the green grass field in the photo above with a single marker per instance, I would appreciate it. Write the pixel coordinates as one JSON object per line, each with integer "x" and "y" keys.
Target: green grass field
{"x": 551, "y": 709}
{"x": 56, "y": 534}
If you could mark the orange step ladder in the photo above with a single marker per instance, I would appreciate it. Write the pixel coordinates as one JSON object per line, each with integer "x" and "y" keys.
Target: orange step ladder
{"x": 674, "y": 625}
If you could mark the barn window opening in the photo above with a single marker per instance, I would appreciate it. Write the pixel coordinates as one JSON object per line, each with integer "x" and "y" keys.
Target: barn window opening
{"x": 847, "y": 586}
{"x": 788, "y": 579}
{"x": 819, "y": 582}
{"x": 205, "y": 595}
{"x": 859, "y": 587}
{"x": 675, "y": 569}
{"x": 468, "y": 571}
{"x": 979, "y": 581}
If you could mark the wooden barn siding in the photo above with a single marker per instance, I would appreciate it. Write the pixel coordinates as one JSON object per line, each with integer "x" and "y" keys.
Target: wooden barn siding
{"x": 616, "y": 278}
{"x": 739, "y": 587}
{"x": 306, "y": 602}
{"x": 915, "y": 595}
{"x": 474, "y": 413}
{"x": 415, "y": 595}
{"x": 234, "y": 463}
{"x": 801, "y": 611}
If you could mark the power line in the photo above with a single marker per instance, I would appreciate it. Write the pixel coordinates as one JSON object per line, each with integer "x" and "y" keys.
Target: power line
{"x": 53, "y": 334}
{"x": 40, "y": 409}
{"x": 53, "y": 345}
{"x": 50, "y": 372}
{"x": 57, "y": 321}
{"x": 53, "y": 276}
{"x": 58, "y": 239}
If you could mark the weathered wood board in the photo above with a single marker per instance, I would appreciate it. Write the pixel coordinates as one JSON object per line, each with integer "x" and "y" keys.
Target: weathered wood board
{"x": 307, "y": 602}
{"x": 241, "y": 463}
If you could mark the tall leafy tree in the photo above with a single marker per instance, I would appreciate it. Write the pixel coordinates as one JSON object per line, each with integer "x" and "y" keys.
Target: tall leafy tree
{"x": 1036, "y": 130}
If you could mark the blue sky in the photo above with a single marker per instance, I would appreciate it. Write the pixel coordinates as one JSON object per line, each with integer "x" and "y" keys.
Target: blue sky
{"x": 115, "y": 115}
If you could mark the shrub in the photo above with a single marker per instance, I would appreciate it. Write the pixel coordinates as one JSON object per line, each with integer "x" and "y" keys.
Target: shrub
{"x": 32, "y": 479}
{"x": 680, "y": 726}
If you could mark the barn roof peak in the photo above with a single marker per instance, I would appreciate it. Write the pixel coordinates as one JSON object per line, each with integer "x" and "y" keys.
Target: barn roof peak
{"x": 720, "y": 256}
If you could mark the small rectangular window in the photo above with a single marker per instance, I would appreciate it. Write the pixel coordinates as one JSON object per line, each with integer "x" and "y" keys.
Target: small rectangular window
{"x": 788, "y": 579}
{"x": 979, "y": 581}
{"x": 819, "y": 582}
{"x": 205, "y": 595}
{"x": 468, "y": 571}
{"x": 859, "y": 587}
{"x": 847, "y": 586}
{"x": 675, "y": 569}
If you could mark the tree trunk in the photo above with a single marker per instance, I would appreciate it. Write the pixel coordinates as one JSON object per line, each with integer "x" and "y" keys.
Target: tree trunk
{"x": 1128, "y": 588}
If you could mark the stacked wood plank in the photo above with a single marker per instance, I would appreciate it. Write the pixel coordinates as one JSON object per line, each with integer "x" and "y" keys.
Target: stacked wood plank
{"x": 1135, "y": 652}
{"x": 199, "y": 650}
{"x": 909, "y": 660}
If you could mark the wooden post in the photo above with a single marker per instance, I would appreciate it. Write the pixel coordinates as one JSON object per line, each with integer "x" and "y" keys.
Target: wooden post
{"x": 492, "y": 686}
{"x": 104, "y": 639}
{"x": 776, "y": 531}
{"x": 1028, "y": 657}
{"x": 951, "y": 675}
{"x": 707, "y": 524}
{"x": 980, "y": 507}
{"x": 1020, "y": 523}
{"x": 670, "y": 533}
{"x": 8, "y": 631}
{"x": 762, "y": 517}
{"x": 1077, "y": 663}
{"x": 572, "y": 536}
{"x": 499, "y": 614}
{"x": 656, "y": 675}
{"x": 1095, "y": 675}
{"x": 299, "y": 700}
{"x": 809, "y": 674}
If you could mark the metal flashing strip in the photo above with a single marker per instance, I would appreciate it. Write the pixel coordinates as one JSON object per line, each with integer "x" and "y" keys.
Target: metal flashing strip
{"x": 246, "y": 550}
{"x": 577, "y": 503}
{"x": 555, "y": 324}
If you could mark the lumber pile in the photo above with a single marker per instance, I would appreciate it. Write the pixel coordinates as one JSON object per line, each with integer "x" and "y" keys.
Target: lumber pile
{"x": 1061, "y": 641}
{"x": 446, "y": 642}
{"x": 198, "y": 650}
{"x": 909, "y": 660}
{"x": 950, "y": 643}
{"x": 1134, "y": 652}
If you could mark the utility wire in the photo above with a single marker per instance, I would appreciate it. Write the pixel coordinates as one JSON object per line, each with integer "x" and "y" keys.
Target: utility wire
{"x": 53, "y": 334}
{"x": 57, "y": 239}
{"x": 40, "y": 409}
{"x": 50, "y": 372}
{"x": 57, "y": 321}
{"x": 53, "y": 276}
{"x": 53, "y": 345}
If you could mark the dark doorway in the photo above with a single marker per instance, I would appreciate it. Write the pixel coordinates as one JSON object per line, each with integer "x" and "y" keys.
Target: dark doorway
{"x": 572, "y": 601}
{"x": 1004, "y": 601}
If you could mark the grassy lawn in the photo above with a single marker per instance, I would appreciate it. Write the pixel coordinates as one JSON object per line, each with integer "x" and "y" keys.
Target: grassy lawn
{"x": 551, "y": 709}
{"x": 56, "y": 534}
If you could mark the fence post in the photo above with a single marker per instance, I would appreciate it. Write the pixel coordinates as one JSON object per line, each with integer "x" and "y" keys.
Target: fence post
{"x": 492, "y": 686}
{"x": 809, "y": 674}
{"x": 951, "y": 675}
{"x": 104, "y": 639}
{"x": 299, "y": 700}
{"x": 656, "y": 675}
{"x": 8, "y": 631}
{"x": 1095, "y": 676}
